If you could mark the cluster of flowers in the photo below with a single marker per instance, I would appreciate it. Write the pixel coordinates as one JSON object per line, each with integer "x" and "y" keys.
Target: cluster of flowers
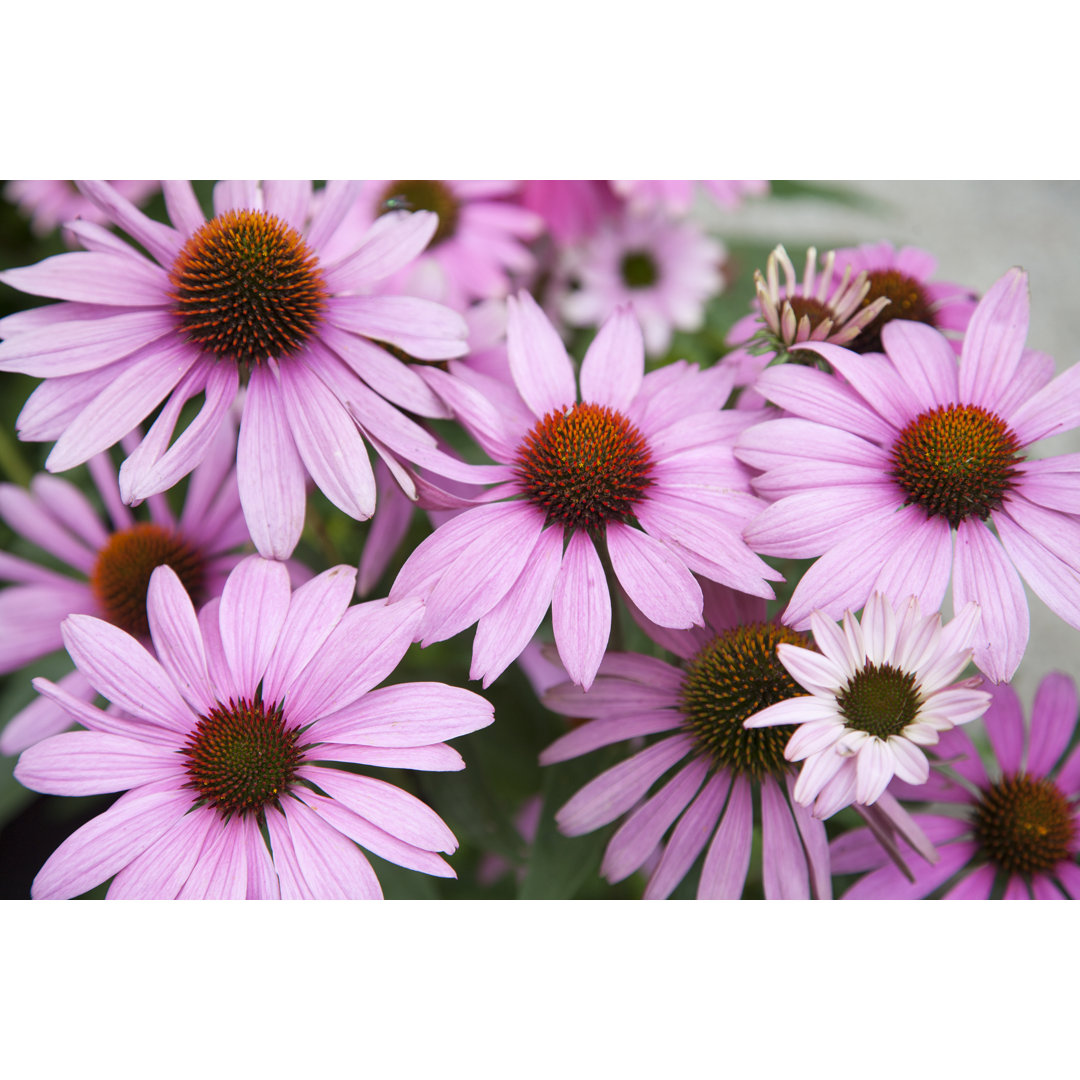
{"x": 866, "y": 418}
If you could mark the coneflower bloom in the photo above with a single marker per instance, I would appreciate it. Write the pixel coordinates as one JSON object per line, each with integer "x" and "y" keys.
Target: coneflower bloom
{"x": 50, "y": 203}
{"x": 571, "y": 209}
{"x": 112, "y": 561}
{"x": 1012, "y": 831}
{"x": 667, "y": 269}
{"x": 716, "y": 771}
{"x": 677, "y": 196}
{"x": 639, "y": 469}
{"x": 479, "y": 246}
{"x": 903, "y": 277}
{"x": 878, "y": 691}
{"x": 246, "y": 296}
{"x": 876, "y": 467}
{"x": 234, "y": 746}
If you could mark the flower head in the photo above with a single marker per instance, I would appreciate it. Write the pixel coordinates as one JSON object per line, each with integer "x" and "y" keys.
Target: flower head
{"x": 234, "y": 746}
{"x": 666, "y": 269}
{"x": 875, "y": 467}
{"x": 248, "y": 295}
{"x": 112, "y": 562}
{"x": 878, "y": 691}
{"x": 638, "y": 469}
{"x": 729, "y": 672}
{"x": 1012, "y": 831}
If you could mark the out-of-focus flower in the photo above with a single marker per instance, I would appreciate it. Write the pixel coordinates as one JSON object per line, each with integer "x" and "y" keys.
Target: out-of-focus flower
{"x": 677, "y": 196}
{"x": 50, "y": 203}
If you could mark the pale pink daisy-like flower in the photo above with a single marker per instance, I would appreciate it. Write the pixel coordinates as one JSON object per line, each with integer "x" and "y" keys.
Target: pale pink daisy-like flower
{"x": 50, "y": 203}
{"x": 234, "y": 745}
{"x": 640, "y": 468}
{"x": 903, "y": 277}
{"x": 729, "y": 672}
{"x": 113, "y": 561}
{"x": 876, "y": 467}
{"x": 246, "y": 295}
{"x": 1012, "y": 832}
{"x": 667, "y": 269}
{"x": 878, "y": 691}
{"x": 677, "y": 196}
{"x": 479, "y": 246}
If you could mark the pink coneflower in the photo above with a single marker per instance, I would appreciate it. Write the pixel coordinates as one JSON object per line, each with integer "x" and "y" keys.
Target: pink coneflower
{"x": 729, "y": 672}
{"x": 50, "y": 203}
{"x": 640, "y": 468}
{"x": 571, "y": 209}
{"x": 878, "y": 691}
{"x": 903, "y": 277}
{"x": 666, "y": 269}
{"x": 876, "y": 473}
{"x": 677, "y": 196}
{"x": 113, "y": 561}
{"x": 247, "y": 295}
{"x": 1013, "y": 832}
{"x": 234, "y": 745}
{"x": 479, "y": 246}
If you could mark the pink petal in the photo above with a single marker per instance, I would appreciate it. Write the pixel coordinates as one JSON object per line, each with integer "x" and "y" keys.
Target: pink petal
{"x": 976, "y": 886}
{"x": 982, "y": 572}
{"x": 423, "y": 329}
{"x": 161, "y": 241}
{"x": 723, "y": 873}
{"x": 330, "y": 864}
{"x": 174, "y": 628}
{"x": 539, "y": 364}
{"x": 92, "y": 762}
{"x": 1004, "y": 722}
{"x": 614, "y": 364}
{"x": 608, "y": 730}
{"x": 159, "y": 872}
{"x": 503, "y": 632}
{"x": 269, "y": 470}
{"x": 581, "y": 610}
{"x": 994, "y": 340}
{"x": 1053, "y": 720}
{"x": 107, "y": 843}
{"x": 182, "y": 206}
{"x": 926, "y": 359}
{"x": 784, "y": 867}
{"x": 391, "y": 243}
{"x": 655, "y": 578}
{"x": 95, "y": 278}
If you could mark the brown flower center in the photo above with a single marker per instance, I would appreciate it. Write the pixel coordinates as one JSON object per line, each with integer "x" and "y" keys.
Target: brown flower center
{"x": 880, "y": 700}
{"x": 956, "y": 461}
{"x": 585, "y": 466}
{"x": 1025, "y": 825}
{"x": 242, "y": 757}
{"x": 246, "y": 287}
{"x": 121, "y": 574}
{"x": 735, "y": 676}
{"x": 907, "y": 300}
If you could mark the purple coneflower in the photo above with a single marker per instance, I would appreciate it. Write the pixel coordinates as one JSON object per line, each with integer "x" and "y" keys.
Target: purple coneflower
{"x": 729, "y": 673}
{"x": 666, "y": 269}
{"x": 876, "y": 467}
{"x": 878, "y": 691}
{"x": 113, "y": 561}
{"x": 640, "y": 470}
{"x": 234, "y": 745}
{"x": 246, "y": 296}
{"x": 1013, "y": 832}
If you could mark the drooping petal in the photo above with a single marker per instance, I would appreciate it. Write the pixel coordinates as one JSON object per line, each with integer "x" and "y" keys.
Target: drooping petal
{"x": 784, "y": 868}
{"x": 656, "y": 580}
{"x": 723, "y": 873}
{"x": 581, "y": 610}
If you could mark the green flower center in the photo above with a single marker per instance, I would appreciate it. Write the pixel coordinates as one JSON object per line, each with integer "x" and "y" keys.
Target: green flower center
{"x": 735, "y": 676}
{"x": 639, "y": 270}
{"x": 907, "y": 300}
{"x": 956, "y": 461}
{"x": 121, "y": 573}
{"x": 241, "y": 757}
{"x": 585, "y": 466}
{"x": 431, "y": 195}
{"x": 1025, "y": 825}
{"x": 246, "y": 287}
{"x": 880, "y": 700}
